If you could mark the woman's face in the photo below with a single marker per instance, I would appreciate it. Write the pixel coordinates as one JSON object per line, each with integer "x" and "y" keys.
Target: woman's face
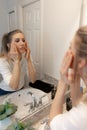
{"x": 19, "y": 40}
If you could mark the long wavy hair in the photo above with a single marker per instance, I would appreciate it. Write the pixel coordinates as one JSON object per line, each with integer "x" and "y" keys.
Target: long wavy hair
{"x": 6, "y": 40}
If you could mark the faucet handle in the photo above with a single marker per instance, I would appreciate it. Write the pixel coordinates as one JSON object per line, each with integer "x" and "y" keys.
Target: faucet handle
{"x": 40, "y": 101}
{"x": 31, "y": 108}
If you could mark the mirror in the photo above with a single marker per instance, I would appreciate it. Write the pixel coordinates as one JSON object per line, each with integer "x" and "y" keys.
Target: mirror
{"x": 48, "y": 27}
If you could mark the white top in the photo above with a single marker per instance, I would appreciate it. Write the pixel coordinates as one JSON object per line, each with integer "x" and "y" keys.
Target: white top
{"x": 6, "y": 72}
{"x": 75, "y": 119}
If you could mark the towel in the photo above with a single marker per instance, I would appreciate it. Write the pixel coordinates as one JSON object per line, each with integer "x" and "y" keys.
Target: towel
{"x": 44, "y": 86}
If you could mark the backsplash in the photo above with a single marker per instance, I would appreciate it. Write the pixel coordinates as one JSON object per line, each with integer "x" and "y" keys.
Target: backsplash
{"x": 51, "y": 80}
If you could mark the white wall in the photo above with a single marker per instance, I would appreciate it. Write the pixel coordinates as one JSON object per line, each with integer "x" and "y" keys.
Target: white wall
{"x": 61, "y": 19}
{"x": 3, "y": 19}
{"x": 83, "y": 20}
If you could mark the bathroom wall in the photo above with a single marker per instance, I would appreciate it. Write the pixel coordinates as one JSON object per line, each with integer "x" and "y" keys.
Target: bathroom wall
{"x": 3, "y": 19}
{"x": 59, "y": 21}
{"x": 83, "y": 19}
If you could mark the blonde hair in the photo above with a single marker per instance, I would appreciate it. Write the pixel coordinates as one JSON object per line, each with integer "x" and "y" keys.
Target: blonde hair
{"x": 6, "y": 39}
{"x": 81, "y": 48}
{"x": 80, "y": 45}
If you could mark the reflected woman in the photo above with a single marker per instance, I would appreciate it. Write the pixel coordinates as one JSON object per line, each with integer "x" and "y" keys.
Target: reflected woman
{"x": 73, "y": 68}
{"x": 15, "y": 62}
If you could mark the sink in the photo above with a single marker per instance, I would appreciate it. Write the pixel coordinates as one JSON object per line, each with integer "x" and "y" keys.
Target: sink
{"x": 29, "y": 101}
{"x": 39, "y": 117}
{"x": 35, "y": 114}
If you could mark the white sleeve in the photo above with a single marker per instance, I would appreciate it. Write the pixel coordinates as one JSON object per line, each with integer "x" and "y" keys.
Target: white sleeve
{"x": 62, "y": 122}
{"x": 75, "y": 119}
{"x": 5, "y": 71}
{"x": 58, "y": 122}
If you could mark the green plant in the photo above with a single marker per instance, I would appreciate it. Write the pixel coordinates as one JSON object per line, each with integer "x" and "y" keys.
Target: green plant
{"x": 7, "y": 109}
{"x": 17, "y": 125}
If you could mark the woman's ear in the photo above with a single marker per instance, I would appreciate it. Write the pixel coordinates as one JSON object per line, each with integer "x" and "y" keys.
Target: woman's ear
{"x": 82, "y": 63}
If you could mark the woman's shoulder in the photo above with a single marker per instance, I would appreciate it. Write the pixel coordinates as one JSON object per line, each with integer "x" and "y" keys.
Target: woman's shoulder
{"x": 2, "y": 60}
{"x": 71, "y": 119}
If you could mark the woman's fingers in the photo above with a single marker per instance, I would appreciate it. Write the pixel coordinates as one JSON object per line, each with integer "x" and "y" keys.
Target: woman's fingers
{"x": 66, "y": 61}
{"x": 26, "y": 46}
{"x": 13, "y": 48}
{"x": 66, "y": 73}
{"x": 15, "y": 52}
{"x": 63, "y": 61}
{"x": 70, "y": 75}
{"x": 17, "y": 49}
{"x": 27, "y": 49}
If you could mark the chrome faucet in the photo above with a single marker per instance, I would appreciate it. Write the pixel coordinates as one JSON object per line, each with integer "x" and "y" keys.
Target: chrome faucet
{"x": 34, "y": 104}
{"x": 35, "y": 101}
{"x": 40, "y": 101}
{"x": 31, "y": 107}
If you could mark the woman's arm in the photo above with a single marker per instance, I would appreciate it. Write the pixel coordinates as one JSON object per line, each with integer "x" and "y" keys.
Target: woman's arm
{"x": 14, "y": 81}
{"x": 57, "y": 105}
{"x": 31, "y": 69}
{"x": 15, "y": 55}
{"x": 76, "y": 95}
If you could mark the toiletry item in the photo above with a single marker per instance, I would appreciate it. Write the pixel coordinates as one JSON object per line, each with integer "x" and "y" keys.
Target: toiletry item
{"x": 53, "y": 92}
{"x": 68, "y": 103}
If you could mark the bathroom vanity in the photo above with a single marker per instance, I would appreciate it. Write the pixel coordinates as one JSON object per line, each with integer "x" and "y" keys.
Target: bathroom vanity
{"x": 33, "y": 105}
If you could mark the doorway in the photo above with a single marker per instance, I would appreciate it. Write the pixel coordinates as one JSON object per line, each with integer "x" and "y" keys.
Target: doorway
{"x": 31, "y": 27}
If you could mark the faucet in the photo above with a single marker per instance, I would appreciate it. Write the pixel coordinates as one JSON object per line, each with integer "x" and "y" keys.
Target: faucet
{"x": 40, "y": 101}
{"x": 31, "y": 107}
{"x": 35, "y": 101}
{"x": 34, "y": 104}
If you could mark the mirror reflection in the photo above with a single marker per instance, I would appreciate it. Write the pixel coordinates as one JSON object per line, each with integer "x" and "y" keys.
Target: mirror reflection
{"x": 34, "y": 35}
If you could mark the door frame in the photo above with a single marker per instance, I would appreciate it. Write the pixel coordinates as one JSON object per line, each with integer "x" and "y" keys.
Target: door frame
{"x": 21, "y": 5}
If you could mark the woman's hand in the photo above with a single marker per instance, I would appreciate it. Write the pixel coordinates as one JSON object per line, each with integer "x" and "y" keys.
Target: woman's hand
{"x": 15, "y": 54}
{"x": 27, "y": 50}
{"x": 31, "y": 69}
{"x": 67, "y": 73}
{"x": 57, "y": 105}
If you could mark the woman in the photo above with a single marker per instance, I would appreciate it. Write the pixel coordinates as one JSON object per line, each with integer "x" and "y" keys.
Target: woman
{"x": 73, "y": 68}
{"x": 15, "y": 58}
